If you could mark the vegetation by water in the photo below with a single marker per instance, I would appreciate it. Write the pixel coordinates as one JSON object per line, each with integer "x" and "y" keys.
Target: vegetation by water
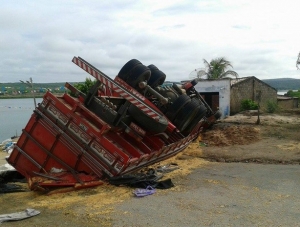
{"x": 291, "y": 93}
{"x": 21, "y": 90}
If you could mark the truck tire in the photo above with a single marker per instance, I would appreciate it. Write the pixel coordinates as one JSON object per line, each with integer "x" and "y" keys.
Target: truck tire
{"x": 186, "y": 115}
{"x": 176, "y": 106}
{"x": 127, "y": 68}
{"x": 138, "y": 74}
{"x": 157, "y": 77}
{"x": 217, "y": 114}
{"x": 147, "y": 122}
{"x": 200, "y": 114}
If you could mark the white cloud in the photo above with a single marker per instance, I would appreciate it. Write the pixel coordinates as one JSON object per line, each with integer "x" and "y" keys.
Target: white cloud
{"x": 38, "y": 39}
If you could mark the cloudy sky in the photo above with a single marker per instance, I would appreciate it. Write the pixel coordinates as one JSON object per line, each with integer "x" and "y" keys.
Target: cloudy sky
{"x": 38, "y": 39}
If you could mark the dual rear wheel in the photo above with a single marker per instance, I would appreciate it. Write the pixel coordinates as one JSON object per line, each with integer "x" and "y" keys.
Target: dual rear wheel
{"x": 184, "y": 112}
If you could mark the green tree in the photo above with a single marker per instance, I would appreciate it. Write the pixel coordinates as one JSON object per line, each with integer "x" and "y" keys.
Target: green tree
{"x": 85, "y": 86}
{"x": 292, "y": 93}
{"x": 217, "y": 69}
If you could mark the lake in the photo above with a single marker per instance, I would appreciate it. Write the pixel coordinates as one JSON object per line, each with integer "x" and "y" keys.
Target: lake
{"x": 14, "y": 115}
{"x": 282, "y": 92}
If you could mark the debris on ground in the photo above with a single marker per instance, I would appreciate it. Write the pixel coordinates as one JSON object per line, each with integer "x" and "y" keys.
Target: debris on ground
{"x": 140, "y": 192}
{"x": 19, "y": 215}
{"x": 227, "y": 135}
{"x": 142, "y": 180}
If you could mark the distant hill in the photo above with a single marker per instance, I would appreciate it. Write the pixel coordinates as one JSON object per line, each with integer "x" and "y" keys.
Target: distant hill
{"x": 23, "y": 89}
{"x": 284, "y": 83}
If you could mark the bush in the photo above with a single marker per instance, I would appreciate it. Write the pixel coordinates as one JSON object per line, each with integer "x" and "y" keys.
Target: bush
{"x": 291, "y": 93}
{"x": 272, "y": 106}
{"x": 85, "y": 86}
{"x": 248, "y": 104}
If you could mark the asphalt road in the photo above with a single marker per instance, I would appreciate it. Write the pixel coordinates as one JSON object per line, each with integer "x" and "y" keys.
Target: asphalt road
{"x": 221, "y": 194}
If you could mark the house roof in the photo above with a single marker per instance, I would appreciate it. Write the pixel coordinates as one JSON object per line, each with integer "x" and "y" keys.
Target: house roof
{"x": 282, "y": 97}
{"x": 234, "y": 82}
{"x": 237, "y": 80}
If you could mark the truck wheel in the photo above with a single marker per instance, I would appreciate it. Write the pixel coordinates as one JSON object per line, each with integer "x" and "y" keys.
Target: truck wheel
{"x": 217, "y": 114}
{"x": 146, "y": 122}
{"x": 200, "y": 114}
{"x": 127, "y": 68}
{"x": 157, "y": 77}
{"x": 177, "y": 105}
{"x": 138, "y": 74}
{"x": 186, "y": 115}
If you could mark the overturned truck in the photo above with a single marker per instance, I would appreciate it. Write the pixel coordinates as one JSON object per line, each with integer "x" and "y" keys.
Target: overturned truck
{"x": 120, "y": 125}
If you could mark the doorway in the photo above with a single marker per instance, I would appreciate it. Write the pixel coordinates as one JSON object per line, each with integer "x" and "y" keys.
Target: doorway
{"x": 212, "y": 99}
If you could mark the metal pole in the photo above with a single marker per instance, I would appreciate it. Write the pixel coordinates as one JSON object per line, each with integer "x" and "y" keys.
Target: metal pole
{"x": 32, "y": 88}
{"x": 33, "y": 92}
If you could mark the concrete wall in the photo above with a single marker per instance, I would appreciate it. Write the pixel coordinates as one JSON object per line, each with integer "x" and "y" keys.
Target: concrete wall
{"x": 250, "y": 88}
{"x": 222, "y": 87}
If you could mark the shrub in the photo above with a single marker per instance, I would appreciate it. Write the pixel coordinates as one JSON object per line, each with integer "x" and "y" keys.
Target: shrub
{"x": 248, "y": 104}
{"x": 85, "y": 86}
{"x": 291, "y": 93}
{"x": 272, "y": 106}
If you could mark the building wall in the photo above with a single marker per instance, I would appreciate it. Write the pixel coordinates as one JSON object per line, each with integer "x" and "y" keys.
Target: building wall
{"x": 250, "y": 89}
{"x": 223, "y": 88}
{"x": 288, "y": 103}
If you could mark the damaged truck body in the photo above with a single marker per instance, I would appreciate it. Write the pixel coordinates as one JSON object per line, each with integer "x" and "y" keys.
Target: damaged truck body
{"x": 120, "y": 125}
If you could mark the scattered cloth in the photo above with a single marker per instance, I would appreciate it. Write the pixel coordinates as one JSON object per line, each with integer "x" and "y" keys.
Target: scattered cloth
{"x": 10, "y": 188}
{"x": 165, "y": 184}
{"x": 19, "y": 215}
{"x": 139, "y": 192}
{"x": 142, "y": 180}
{"x": 10, "y": 175}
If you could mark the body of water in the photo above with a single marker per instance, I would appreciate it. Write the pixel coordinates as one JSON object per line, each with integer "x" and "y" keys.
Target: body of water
{"x": 282, "y": 92}
{"x": 14, "y": 115}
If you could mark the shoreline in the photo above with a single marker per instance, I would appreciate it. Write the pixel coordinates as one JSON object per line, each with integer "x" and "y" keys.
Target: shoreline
{"x": 25, "y": 96}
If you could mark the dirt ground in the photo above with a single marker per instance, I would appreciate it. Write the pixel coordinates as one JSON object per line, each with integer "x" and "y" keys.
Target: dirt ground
{"x": 238, "y": 139}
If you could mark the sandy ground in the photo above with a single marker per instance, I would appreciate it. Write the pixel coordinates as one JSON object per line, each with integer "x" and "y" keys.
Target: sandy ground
{"x": 237, "y": 174}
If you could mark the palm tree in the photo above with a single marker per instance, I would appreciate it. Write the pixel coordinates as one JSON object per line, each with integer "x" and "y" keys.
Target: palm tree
{"x": 216, "y": 69}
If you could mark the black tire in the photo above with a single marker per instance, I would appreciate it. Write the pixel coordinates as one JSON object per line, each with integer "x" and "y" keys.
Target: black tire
{"x": 146, "y": 122}
{"x": 138, "y": 74}
{"x": 200, "y": 114}
{"x": 186, "y": 115}
{"x": 177, "y": 105}
{"x": 218, "y": 115}
{"x": 157, "y": 77}
{"x": 127, "y": 68}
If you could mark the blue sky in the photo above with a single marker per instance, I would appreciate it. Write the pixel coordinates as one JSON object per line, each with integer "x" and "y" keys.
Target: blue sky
{"x": 38, "y": 39}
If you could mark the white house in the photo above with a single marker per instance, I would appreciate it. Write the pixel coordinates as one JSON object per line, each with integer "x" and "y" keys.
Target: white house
{"x": 216, "y": 93}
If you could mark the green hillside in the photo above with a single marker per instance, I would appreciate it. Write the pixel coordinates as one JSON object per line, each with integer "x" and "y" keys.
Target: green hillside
{"x": 284, "y": 83}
